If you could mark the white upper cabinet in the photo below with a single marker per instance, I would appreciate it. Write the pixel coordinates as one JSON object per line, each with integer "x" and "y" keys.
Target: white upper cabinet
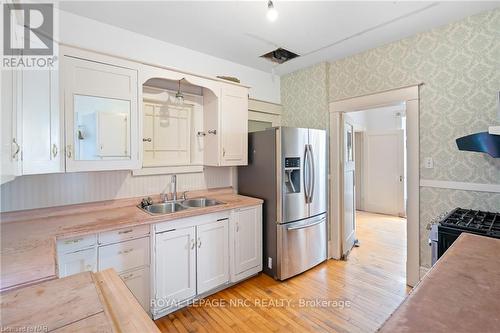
{"x": 10, "y": 141}
{"x": 234, "y": 125}
{"x": 226, "y": 126}
{"x": 41, "y": 122}
{"x": 101, "y": 112}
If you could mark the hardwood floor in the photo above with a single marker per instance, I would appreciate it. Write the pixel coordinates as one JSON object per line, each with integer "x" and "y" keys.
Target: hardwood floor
{"x": 362, "y": 291}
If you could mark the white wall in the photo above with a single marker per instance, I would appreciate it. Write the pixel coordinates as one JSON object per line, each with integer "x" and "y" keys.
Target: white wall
{"x": 37, "y": 191}
{"x": 86, "y": 33}
{"x": 380, "y": 119}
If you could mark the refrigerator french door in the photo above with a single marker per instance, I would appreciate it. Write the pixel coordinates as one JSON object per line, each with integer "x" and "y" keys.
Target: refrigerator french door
{"x": 303, "y": 171}
{"x": 287, "y": 169}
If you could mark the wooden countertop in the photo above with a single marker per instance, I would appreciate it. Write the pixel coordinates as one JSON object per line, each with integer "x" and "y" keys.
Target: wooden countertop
{"x": 85, "y": 302}
{"x": 459, "y": 294}
{"x": 28, "y": 238}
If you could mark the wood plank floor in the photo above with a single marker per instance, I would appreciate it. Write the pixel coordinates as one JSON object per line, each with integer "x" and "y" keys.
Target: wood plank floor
{"x": 358, "y": 294}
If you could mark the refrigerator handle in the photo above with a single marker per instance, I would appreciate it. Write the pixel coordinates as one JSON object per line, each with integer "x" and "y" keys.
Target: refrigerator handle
{"x": 312, "y": 178}
{"x": 306, "y": 174}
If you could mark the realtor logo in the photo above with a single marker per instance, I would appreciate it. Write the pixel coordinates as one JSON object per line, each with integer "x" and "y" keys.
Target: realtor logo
{"x": 32, "y": 35}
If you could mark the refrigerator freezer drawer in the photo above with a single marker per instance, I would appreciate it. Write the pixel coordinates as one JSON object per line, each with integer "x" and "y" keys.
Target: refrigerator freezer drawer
{"x": 303, "y": 246}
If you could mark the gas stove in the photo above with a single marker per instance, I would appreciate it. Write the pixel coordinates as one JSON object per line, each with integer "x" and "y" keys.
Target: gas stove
{"x": 485, "y": 223}
{"x": 466, "y": 220}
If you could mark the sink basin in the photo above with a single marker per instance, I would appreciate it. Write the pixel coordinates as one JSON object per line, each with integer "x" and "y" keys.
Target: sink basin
{"x": 201, "y": 202}
{"x": 164, "y": 208}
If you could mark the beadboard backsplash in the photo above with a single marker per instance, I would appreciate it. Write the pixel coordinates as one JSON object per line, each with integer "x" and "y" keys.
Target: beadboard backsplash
{"x": 38, "y": 191}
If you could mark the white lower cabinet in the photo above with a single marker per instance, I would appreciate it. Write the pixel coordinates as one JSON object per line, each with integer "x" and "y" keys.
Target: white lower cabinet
{"x": 212, "y": 255}
{"x": 175, "y": 267}
{"x": 246, "y": 242}
{"x": 129, "y": 258}
{"x": 77, "y": 262}
{"x": 137, "y": 282}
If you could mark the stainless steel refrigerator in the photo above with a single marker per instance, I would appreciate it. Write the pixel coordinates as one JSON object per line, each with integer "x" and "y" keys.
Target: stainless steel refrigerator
{"x": 287, "y": 169}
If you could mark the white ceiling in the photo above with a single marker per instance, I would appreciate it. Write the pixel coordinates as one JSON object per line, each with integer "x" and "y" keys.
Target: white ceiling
{"x": 239, "y": 31}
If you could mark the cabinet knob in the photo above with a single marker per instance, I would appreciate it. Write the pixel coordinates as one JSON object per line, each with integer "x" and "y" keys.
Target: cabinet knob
{"x": 201, "y": 134}
{"x": 212, "y": 131}
{"x": 147, "y": 139}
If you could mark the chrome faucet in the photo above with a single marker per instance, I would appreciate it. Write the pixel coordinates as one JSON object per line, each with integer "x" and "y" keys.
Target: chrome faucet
{"x": 174, "y": 193}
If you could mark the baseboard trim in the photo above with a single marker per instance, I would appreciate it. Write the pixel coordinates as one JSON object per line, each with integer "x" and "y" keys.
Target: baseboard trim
{"x": 464, "y": 186}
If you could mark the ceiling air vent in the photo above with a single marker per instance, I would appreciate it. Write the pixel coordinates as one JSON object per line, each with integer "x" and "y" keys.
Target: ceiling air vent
{"x": 279, "y": 55}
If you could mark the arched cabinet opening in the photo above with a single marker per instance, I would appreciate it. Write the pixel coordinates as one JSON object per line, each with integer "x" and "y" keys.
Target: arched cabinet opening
{"x": 189, "y": 122}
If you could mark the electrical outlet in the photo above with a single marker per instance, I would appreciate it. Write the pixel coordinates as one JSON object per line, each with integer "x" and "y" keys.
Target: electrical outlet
{"x": 429, "y": 163}
{"x": 270, "y": 263}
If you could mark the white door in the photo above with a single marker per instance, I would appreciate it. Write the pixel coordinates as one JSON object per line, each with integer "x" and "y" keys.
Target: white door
{"x": 212, "y": 257}
{"x": 234, "y": 125}
{"x": 41, "y": 122}
{"x": 175, "y": 266}
{"x": 247, "y": 231}
{"x": 384, "y": 172}
{"x": 77, "y": 262}
{"x": 349, "y": 197}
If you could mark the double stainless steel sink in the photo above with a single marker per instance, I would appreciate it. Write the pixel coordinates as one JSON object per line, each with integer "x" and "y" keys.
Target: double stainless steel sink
{"x": 176, "y": 206}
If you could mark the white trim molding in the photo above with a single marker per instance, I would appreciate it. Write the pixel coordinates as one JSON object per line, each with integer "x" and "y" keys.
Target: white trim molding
{"x": 464, "y": 186}
{"x": 410, "y": 96}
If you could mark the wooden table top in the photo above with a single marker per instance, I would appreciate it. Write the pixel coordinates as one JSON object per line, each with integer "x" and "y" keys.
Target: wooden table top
{"x": 461, "y": 293}
{"x": 28, "y": 238}
{"x": 85, "y": 302}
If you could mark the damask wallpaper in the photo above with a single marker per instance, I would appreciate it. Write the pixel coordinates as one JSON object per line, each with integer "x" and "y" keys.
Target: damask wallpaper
{"x": 459, "y": 66}
{"x": 304, "y": 95}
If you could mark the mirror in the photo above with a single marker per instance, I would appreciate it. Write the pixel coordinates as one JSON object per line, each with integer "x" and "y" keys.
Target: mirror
{"x": 102, "y": 128}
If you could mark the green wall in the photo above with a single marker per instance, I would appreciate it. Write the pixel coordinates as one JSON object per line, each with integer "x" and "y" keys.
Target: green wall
{"x": 459, "y": 66}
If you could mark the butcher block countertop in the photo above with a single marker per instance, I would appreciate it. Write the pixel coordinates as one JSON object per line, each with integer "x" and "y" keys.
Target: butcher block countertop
{"x": 28, "y": 238}
{"x": 461, "y": 293}
{"x": 85, "y": 302}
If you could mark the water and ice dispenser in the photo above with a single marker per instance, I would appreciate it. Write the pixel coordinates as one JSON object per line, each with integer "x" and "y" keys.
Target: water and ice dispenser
{"x": 292, "y": 174}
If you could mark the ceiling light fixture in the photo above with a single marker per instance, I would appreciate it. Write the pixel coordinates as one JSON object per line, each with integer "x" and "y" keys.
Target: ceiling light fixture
{"x": 179, "y": 96}
{"x": 272, "y": 13}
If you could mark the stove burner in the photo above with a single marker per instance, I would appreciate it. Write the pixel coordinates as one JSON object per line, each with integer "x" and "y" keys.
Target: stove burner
{"x": 477, "y": 221}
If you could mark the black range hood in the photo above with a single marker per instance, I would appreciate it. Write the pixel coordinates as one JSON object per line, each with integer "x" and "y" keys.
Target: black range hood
{"x": 482, "y": 142}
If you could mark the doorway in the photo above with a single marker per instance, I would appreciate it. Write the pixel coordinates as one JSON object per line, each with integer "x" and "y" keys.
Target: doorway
{"x": 343, "y": 183}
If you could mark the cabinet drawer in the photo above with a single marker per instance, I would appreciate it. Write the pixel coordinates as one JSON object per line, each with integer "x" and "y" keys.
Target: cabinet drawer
{"x": 120, "y": 235}
{"x": 76, "y": 243}
{"x": 124, "y": 256}
{"x": 137, "y": 282}
{"x": 77, "y": 262}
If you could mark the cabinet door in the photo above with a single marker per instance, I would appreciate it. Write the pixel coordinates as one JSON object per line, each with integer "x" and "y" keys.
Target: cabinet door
{"x": 10, "y": 143}
{"x": 175, "y": 262}
{"x": 212, "y": 257}
{"x": 77, "y": 262}
{"x": 234, "y": 125}
{"x": 247, "y": 229}
{"x": 41, "y": 122}
{"x": 101, "y": 113}
{"x": 137, "y": 282}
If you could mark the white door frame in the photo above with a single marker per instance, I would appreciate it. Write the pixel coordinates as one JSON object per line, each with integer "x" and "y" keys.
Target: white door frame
{"x": 410, "y": 95}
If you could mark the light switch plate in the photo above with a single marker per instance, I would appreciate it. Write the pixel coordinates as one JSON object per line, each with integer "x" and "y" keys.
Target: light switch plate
{"x": 269, "y": 262}
{"x": 429, "y": 163}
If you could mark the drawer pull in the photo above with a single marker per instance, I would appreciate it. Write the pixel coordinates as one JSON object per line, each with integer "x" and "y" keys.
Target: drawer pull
{"x": 125, "y": 232}
{"x": 193, "y": 244}
{"x": 199, "y": 242}
{"x": 125, "y": 251}
{"x": 73, "y": 241}
{"x": 126, "y": 277}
